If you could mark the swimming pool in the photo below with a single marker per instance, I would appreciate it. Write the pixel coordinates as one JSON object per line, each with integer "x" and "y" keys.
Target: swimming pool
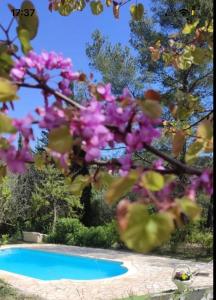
{"x": 45, "y": 265}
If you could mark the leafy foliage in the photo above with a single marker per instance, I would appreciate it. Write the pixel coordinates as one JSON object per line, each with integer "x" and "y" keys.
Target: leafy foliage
{"x": 78, "y": 133}
{"x": 115, "y": 63}
{"x": 66, "y": 7}
{"x": 52, "y": 199}
{"x": 72, "y": 232}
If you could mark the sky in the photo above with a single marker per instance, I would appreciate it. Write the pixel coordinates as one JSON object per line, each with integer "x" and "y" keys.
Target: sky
{"x": 67, "y": 35}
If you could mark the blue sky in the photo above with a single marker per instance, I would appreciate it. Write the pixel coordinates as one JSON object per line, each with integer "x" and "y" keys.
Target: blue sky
{"x": 69, "y": 36}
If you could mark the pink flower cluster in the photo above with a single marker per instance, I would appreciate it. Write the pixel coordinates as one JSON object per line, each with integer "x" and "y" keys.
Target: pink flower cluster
{"x": 90, "y": 125}
{"x": 16, "y": 159}
{"x": 104, "y": 122}
{"x": 204, "y": 182}
{"x": 133, "y": 127}
{"x": 43, "y": 64}
{"x": 52, "y": 116}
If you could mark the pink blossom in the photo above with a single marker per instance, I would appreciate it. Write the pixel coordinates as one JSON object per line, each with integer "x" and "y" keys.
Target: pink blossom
{"x": 51, "y": 117}
{"x": 16, "y": 159}
{"x": 24, "y": 127}
{"x": 105, "y": 92}
{"x": 158, "y": 164}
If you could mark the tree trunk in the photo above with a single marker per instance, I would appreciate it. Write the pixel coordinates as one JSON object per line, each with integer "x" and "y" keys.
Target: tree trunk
{"x": 54, "y": 216}
{"x": 85, "y": 198}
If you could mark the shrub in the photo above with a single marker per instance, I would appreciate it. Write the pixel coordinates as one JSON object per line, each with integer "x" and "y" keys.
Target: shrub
{"x": 204, "y": 239}
{"x": 63, "y": 227}
{"x": 192, "y": 233}
{"x": 4, "y": 239}
{"x": 72, "y": 232}
{"x": 75, "y": 238}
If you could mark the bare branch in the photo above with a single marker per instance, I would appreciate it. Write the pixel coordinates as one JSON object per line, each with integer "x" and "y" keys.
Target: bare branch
{"x": 193, "y": 86}
{"x": 200, "y": 120}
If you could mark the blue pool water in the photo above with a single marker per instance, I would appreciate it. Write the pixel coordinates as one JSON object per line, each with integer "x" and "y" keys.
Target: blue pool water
{"x": 53, "y": 266}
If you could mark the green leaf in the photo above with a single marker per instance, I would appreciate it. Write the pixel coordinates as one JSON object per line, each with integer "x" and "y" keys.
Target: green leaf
{"x": 189, "y": 28}
{"x": 152, "y": 181}
{"x": 6, "y": 124}
{"x": 167, "y": 58}
{"x": 66, "y": 7}
{"x": 183, "y": 112}
{"x": 191, "y": 209}
{"x": 103, "y": 180}
{"x": 7, "y": 90}
{"x": 183, "y": 62}
{"x": 96, "y": 7}
{"x": 80, "y": 5}
{"x": 120, "y": 187}
{"x": 193, "y": 151}
{"x": 29, "y": 23}
{"x": 145, "y": 231}
{"x": 137, "y": 11}
{"x": 60, "y": 140}
{"x": 108, "y": 2}
{"x": 151, "y": 108}
{"x": 6, "y": 64}
{"x": 202, "y": 55}
{"x": 23, "y": 35}
{"x": 205, "y": 129}
{"x": 178, "y": 142}
{"x": 168, "y": 178}
{"x": 78, "y": 184}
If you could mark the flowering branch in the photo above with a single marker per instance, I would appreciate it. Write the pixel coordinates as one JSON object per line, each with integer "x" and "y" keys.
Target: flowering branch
{"x": 46, "y": 88}
{"x": 182, "y": 168}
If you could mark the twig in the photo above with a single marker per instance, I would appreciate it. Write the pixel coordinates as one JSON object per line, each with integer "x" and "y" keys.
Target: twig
{"x": 10, "y": 24}
{"x": 200, "y": 120}
{"x": 142, "y": 158}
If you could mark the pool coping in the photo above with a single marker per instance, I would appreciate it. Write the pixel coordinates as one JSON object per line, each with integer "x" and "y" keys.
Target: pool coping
{"x": 147, "y": 274}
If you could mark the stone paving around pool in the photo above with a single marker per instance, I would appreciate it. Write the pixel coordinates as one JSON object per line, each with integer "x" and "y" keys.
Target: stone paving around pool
{"x": 147, "y": 274}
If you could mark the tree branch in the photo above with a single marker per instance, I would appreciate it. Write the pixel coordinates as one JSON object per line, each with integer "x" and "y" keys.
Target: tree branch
{"x": 200, "y": 120}
{"x": 192, "y": 87}
{"x": 142, "y": 158}
{"x": 45, "y": 87}
{"x": 179, "y": 166}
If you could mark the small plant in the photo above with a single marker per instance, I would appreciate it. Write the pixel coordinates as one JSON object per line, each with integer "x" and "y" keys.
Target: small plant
{"x": 4, "y": 239}
{"x": 182, "y": 276}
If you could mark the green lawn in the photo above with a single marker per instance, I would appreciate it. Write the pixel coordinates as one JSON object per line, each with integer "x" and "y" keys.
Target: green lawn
{"x": 9, "y": 293}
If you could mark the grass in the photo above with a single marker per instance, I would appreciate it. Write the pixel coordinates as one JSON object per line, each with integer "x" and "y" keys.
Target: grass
{"x": 9, "y": 293}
